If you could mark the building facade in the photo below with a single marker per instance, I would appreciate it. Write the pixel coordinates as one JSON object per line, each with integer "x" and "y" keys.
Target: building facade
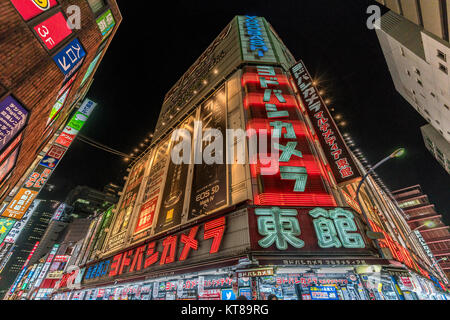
{"x": 274, "y": 213}
{"x": 424, "y": 220}
{"x": 414, "y": 40}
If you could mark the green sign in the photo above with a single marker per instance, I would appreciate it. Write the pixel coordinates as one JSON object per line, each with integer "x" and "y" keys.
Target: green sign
{"x": 105, "y": 22}
{"x": 5, "y": 227}
{"x": 78, "y": 120}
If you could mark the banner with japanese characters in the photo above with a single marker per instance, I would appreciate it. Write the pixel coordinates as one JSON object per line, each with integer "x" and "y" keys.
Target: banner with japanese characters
{"x": 172, "y": 204}
{"x": 209, "y": 184}
{"x": 333, "y": 145}
{"x": 307, "y": 231}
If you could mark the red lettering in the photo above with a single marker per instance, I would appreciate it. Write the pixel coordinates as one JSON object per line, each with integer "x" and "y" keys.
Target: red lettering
{"x": 168, "y": 254}
{"x": 215, "y": 229}
{"x": 151, "y": 255}
{"x": 137, "y": 261}
{"x": 189, "y": 243}
{"x": 115, "y": 265}
{"x": 126, "y": 260}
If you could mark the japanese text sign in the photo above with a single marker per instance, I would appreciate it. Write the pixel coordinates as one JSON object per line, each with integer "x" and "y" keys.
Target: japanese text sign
{"x": 13, "y": 118}
{"x": 69, "y": 56}
{"x": 53, "y": 30}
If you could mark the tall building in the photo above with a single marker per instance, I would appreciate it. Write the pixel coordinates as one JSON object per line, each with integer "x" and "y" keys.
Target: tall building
{"x": 86, "y": 201}
{"x": 236, "y": 219}
{"x": 49, "y": 52}
{"x": 414, "y": 40}
{"x": 423, "y": 218}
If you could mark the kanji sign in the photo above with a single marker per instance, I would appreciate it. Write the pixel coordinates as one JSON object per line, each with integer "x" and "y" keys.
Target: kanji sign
{"x": 19, "y": 205}
{"x": 38, "y": 178}
{"x": 334, "y": 147}
{"x": 306, "y": 230}
{"x": 53, "y": 30}
{"x": 29, "y": 9}
{"x": 147, "y": 214}
{"x": 69, "y": 56}
{"x": 105, "y": 23}
{"x": 51, "y": 159}
{"x": 13, "y": 117}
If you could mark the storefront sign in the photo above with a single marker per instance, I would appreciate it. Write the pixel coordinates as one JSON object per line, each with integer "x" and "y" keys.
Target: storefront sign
{"x": 260, "y": 272}
{"x": 13, "y": 118}
{"x": 15, "y": 231}
{"x": 105, "y": 23}
{"x": 11, "y": 147}
{"x": 7, "y": 166}
{"x": 209, "y": 185}
{"x": 430, "y": 254}
{"x": 53, "y": 156}
{"x": 146, "y": 215}
{"x": 38, "y": 178}
{"x": 323, "y": 293}
{"x": 20, "y": 204}
{"x": 255, "y": 43}
{"x": 29, "y": 9}
{"x": 199, "y": 242}
{"x": 53, "y": 30}
{"x": 69, "y": 56}
{"x": 46, "y": 266}
{"x": 5, "y": 227}
{"x": 336, "y": 152}
{"x": 293, "y": 175}
{"x": 314, "y": 230}
{"x": 351, "y": 202}
{"x": 57, "y": 107}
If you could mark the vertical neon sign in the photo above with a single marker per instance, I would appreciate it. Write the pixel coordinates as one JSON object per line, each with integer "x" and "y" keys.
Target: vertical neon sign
{"x": 271, "y": 106}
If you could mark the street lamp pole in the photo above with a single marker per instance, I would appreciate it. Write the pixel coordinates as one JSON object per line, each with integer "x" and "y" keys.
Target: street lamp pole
{"x": 397, "y": 153}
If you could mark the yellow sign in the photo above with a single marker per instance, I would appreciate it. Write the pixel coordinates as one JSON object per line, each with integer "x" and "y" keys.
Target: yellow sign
{"x": 42, "y": 4}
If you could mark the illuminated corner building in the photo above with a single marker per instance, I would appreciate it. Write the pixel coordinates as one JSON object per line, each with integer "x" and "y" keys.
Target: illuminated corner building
{"x": 214, "y": 231}
{"x": 45, "y": 72}
{"x": 31, "y": 233}
{"x": 423, "y": 218}
{"x": 415, "y": 43}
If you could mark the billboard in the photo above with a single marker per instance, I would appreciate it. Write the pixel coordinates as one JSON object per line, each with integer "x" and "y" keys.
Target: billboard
{"x": 53, "y": 156}
{"x": 5, "y": 227}
{"x": 333, "y": 145}
{"x": 172, "y": 204}
{"x": 209, "y": 186}
{"x": 46, "y": 266}
{"x": 53, "y": 30}
{"x": 13, "y": 117}
{"x": 105, "y": 23}
{"x": 57, "y": 107}
{"x": 153, "y": 188}
{"x": 91, "y": 68}
{"x": 38, "y": 178}
{"x": 69, "y": 57}
{"x": 32, "y": 8}
{"x": 7, "y": 166}
{"x": 20, "y": 204}
{"x": 15, "y": 231}
{"x": 293, "y": 175}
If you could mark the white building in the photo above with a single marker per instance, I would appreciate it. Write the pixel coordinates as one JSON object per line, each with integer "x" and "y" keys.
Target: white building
{"x": 418, "y": 61}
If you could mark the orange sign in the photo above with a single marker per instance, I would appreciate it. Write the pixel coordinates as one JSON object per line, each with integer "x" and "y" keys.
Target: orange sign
{"x": 351, "y": 202}
{"x": 20, "y": 204}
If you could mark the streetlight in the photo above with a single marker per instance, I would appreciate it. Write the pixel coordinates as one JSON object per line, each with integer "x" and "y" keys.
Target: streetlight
{"x": 396, "y": 154}
{"x": 439, "y": 260}
{"x": 429, "y": 224}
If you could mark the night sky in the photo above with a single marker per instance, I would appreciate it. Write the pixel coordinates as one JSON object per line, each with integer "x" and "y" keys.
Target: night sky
{"x": 154, "y": 47}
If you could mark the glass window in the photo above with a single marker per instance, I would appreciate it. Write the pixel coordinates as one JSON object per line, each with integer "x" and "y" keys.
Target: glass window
{"x": 96, "y": 5}
{"x": 441, "y": 55}
{"x": 443, "y": 68}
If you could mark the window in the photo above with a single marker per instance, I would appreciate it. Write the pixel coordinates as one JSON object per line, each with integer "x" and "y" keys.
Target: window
{"x": 417, "y": 71}
{"x": 437, "y": 121}
{"x": 446, "y": 107}
{"x": 96, "y": 5}
{"x": 408, "y": 73}
{"x": 420, "y": 82}
{"x": 433, "y": 95}
{"x": 426, "y": 111}
{"x": 441, "y": 55}
{"x": 443, "y": 68}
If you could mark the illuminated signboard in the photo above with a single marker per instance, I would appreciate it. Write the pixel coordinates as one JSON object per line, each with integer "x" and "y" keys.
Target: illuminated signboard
{"x": 53, "y": 156}
{"x": 146, "y": 215}
{"x": 38, "y": 178}
{"x": 272, "y": 107}
{"x": 15, "y": 231}
{"x": 13, "y": 118}
{"x": 255, "y": 43}
{"x": 11, "y": 147}
{"x": 198, "y": 243}
{"x": 19, "y": 205}
{"x": 69, "y": 56}
{"x": 7, "y": 166}
{"x": 430, "y": 255}
{"x": 46, "y": 266}
{"x": 313, "y": 230}
{"x": 5, "y": 227}
{"x": 105, "y": 23}
{"x": 29, "y": 9}
{"x": 334, "y": 147}
{"x": 91, "y": 68}
{"x": 59, "y": 212}
{"x": 324, "y": 293}
{"x": 57, "y": 107}
{"x": 53, "y": 30}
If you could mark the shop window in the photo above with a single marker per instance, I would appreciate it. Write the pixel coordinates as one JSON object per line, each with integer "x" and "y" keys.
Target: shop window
{"x": 96, "y": 5}
{"x": 441, "y": 55}
{"x": 443, "y": 68}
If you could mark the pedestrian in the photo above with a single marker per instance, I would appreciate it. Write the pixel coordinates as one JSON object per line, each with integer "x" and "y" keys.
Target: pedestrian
{"x": 272, "y": 297}
{"x": 241, "y": 297}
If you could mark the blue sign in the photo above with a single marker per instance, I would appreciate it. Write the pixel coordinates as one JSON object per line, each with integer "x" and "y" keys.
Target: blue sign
{"x": 13, "y": 118}
{"x": 70, "y": 56}
{"x": 254, "y": 31}
{"x": 323, "y": 293}
{"x": 228, "y": 295}
{"x": 49, "y": 162}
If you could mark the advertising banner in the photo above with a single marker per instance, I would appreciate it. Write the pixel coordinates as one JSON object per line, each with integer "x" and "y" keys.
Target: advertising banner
{"x": 5, "y": 227}
{"x": 46, "y": 266}
{"x": 69, "y": 56}
{"x": 171, "y": 210}
{"x": 311, "y": 231}
{"x": 293, "y": 176}
{"x": 15, "y": 231}
{"x": 105, "y": 23}
{"x": 32, "y": 8}
{"x": 53, "y": 156}
{"x": 57, "y": 107}
{"x": 13, "y": 118}
{"x": 20, "y": 204}
{"x": 53, "y": 30}
{"x": 101, "y": 233}
{"x": 153, "y": 188}
{"x": 7, "y": 166}
{"x": 324, "y": 293}
{"x": 37, "y": 179}
{"x": 209, "y": 186}
{"x": 333, "y": 145}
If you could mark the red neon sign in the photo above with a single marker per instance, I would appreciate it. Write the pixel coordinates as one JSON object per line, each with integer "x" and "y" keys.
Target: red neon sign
{"x": 29, "y": 9}
{"x": 53, "y": 30}
{"x": 271, "y": 106}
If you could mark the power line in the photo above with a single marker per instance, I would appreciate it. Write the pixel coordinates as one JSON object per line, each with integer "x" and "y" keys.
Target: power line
{"x": 100, "y": 146}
